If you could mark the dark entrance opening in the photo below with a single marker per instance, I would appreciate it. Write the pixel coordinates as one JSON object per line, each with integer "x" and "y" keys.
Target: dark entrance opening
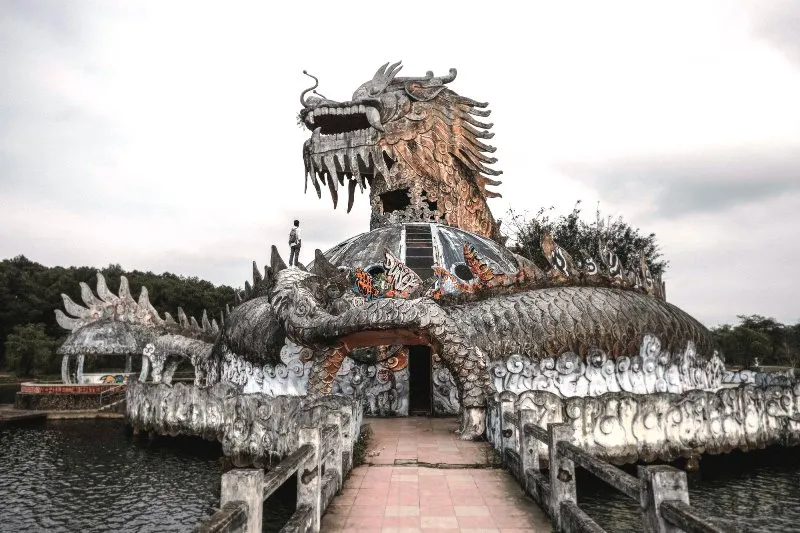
{"x": 420, "y": 399}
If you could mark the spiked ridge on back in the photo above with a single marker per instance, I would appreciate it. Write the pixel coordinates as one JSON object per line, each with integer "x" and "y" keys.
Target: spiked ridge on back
{"x": 123, "y": 308}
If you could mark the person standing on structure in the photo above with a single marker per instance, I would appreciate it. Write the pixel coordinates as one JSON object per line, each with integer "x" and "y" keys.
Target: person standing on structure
{"x": 295, "y": 241}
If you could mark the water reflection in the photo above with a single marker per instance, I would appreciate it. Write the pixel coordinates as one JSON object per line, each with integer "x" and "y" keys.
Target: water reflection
{"x": 90, "y": 476}
{"x": 757, "y": 491}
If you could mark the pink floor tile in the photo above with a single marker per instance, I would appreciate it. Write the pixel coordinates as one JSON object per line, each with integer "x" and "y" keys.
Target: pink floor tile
{"x": 394, "y": 495}
{"x": 401, "y": 521}
{"x": 439, "y": 510}
{"x": 364, "y": 521}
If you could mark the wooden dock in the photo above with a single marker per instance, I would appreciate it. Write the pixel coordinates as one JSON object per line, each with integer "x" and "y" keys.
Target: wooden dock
{"x": 9, "y": 416}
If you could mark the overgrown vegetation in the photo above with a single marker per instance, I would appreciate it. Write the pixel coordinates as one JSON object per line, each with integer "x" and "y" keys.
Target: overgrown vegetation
{"x": 360, "y": 446}
{"x": 755, "y": 336}
{"x": 573, "y": 234}
{"x": 30, "y": 293}
{"x": 30, "y": 351}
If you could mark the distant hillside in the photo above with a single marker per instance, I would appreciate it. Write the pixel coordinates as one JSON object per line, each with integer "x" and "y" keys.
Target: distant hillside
{"x": 30, "y": 293}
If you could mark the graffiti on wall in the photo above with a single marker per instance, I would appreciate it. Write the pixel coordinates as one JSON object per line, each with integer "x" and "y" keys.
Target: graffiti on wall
{"x": 105, "y": 379}
{"x": 393, "y": 280}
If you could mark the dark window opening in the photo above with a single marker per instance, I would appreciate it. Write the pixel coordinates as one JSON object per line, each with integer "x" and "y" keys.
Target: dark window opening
{"x": 431, "y": 205}
{"x": 463, "y": 272}
{"x": 388, "y": 160}
{"x": 375, "y": 270}
{"x": 396, "y": 200}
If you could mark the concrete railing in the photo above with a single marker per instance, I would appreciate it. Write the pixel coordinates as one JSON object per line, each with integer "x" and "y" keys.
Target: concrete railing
{"x": 112, "y": 397}
{"x": 661, "y": 491}
{"x": 322, "y": 460}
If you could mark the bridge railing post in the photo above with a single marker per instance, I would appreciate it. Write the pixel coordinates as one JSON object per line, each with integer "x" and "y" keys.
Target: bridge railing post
{"x": 245, "y": 485}
{"x": 528, "y": 446}
{"x": 309, "y": 477}
{"x": 562, "y": 473}
{"x": 660, "y": 483}
{"x": 348, "y": 429}
{"x": 507, "y": 429}
{"x": 334, "y": 461}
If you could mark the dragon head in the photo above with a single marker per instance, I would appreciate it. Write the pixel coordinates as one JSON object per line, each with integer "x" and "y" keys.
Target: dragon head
{"x": 304, "y": 301}
{"x": 413, "y": 141}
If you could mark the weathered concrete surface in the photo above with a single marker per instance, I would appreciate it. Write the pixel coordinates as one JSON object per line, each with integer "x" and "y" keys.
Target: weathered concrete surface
{"x": 376, "y": 496}
{"x": 624, "y": 428}
{"x": 254, "y": 429}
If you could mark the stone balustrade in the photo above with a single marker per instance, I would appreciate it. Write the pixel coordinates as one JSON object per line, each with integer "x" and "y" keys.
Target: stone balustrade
{"x": 322, "y": 460}
{"x": 661, "y": 491}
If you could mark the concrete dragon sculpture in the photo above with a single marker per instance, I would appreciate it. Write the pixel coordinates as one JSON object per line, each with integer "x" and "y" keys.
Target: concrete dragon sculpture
{"x": 589, "y": 341}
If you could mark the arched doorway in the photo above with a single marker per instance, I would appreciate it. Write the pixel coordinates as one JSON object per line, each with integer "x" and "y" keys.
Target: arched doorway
{"x": 420, "y": 387}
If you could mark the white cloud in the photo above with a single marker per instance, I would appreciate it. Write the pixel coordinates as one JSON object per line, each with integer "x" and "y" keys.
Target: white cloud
{"x": 163, "y": 135}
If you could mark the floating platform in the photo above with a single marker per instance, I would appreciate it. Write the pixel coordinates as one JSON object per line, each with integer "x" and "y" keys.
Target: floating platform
{"x": 57, "y": 396}
{"x": 10, "y": 416}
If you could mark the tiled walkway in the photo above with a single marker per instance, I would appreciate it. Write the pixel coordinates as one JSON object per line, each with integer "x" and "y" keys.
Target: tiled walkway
{"x": 420, "y": 477}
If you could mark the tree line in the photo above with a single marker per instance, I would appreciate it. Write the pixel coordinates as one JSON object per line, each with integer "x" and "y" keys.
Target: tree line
{"x": 760, "y": 338}
{"x": 30, "y": 293}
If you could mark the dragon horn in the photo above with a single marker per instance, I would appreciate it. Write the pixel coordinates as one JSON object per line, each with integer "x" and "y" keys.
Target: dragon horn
{"x": 276, "y": 262}
{"x": 257, "y": 278}
{"x": 323, "y": 267}
{"x": 393, "y": 70}
{"x": 381, "y": 72}
{"x": 303, "y": 94}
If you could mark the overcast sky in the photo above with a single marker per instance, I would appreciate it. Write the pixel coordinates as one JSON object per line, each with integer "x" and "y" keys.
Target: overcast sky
{"x": 163, "y": 135}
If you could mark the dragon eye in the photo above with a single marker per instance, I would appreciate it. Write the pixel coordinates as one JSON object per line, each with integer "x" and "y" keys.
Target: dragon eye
{"x": 334, "y": 292}
{"x": 319, "y": 293}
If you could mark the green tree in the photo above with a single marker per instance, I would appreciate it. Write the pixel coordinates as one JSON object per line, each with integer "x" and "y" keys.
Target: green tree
{"x": 573, "y": 233}
{"x": 792, "y": 345}
{"x": 30, "y": 351}
{"x": 30, "y": 292}
{"x": 774, "y": 331}
{"x": 756, "y": 336}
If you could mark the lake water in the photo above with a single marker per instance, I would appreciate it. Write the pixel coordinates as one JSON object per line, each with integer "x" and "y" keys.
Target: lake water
{"x": 757, "y": 491}
{"x": 91, "y": 475}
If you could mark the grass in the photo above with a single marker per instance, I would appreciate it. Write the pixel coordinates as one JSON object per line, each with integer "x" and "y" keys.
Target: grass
{"x": 360, "y": 447}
